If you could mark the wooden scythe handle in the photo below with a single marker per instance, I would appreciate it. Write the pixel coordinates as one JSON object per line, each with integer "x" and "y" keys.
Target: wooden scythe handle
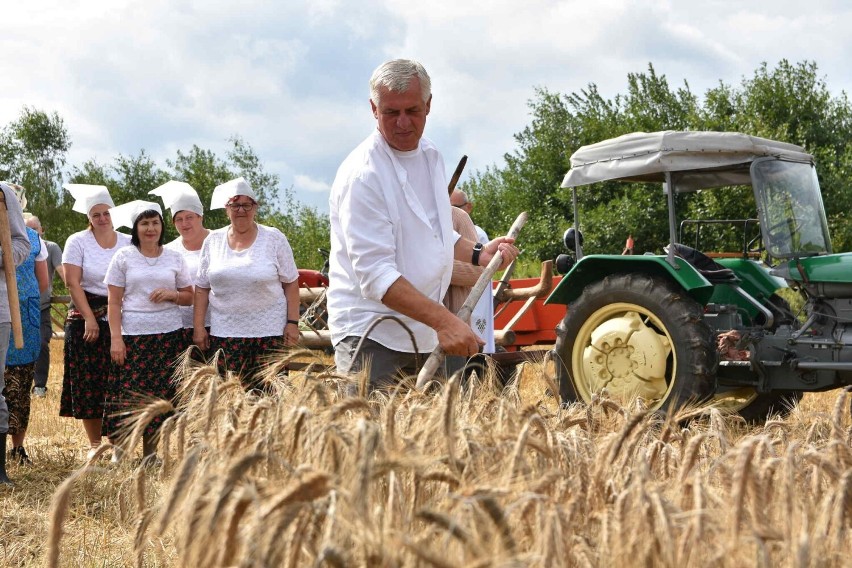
{"x": 437, "y": 356}
{"x": 457, "y": 174}
{"x": 9, "y": 272}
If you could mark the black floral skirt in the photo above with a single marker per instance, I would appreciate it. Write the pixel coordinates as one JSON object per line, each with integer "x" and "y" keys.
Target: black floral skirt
{"x": 146, "y": 375}
{"x": 19, "y": 381}
{"x": 246, "y": 356}
{"x": 87, "y": 365}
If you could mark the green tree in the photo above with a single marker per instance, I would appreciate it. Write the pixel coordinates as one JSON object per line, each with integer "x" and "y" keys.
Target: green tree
{"x": 789, "y": 102}
{"x": 134, "y": 176}
{"x": 793, "y": 103}
{"x": 561, "y": 124}
{"x": 127, "y": 178}
{"x": 306, "y": 229}
{"x": 246, "y": 163}
{"x": 203, "y": 170}
{"x": 33, "y": 152}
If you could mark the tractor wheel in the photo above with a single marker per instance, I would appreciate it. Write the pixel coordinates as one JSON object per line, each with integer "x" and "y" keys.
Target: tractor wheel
{"x": 635, "y": 335}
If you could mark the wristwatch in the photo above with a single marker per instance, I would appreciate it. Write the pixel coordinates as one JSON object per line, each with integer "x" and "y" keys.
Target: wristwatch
{"x": 477, "y": 249}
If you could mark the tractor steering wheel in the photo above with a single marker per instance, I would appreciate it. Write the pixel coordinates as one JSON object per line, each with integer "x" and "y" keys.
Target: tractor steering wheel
{"x": 792, "y": 225}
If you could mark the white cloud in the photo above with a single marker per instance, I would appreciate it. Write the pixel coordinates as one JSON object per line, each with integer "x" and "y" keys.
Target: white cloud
{"x": 306, "y": 183}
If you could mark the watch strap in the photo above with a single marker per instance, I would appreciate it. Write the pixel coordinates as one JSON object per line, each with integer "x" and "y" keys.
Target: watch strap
{"x": 477, "y": 250}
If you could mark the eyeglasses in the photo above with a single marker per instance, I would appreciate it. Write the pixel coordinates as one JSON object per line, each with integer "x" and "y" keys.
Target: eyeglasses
{"x": 244, "y": 206}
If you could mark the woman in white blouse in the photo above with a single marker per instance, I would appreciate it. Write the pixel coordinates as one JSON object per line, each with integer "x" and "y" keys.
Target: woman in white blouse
{"x": 188, "y": 217}
{"x": 247, "y": 279}
{"x": 146, "y": 283}
{"x": 85, "y": 259}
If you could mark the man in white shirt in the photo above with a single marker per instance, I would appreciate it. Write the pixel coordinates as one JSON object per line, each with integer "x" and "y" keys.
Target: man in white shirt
{"x": 459, "y": 199}
{"x": 392, "y": 243}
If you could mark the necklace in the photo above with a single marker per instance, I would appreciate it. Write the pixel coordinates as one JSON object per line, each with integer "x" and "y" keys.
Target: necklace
{"x": 156, "y": 258}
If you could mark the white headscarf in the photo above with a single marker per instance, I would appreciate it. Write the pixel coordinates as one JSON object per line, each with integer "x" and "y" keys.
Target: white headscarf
{"x": 179, "y": 196}
{"x": 87, "y": 196}
{"x": 125, "y": 215}
{"x": 230, "y": 189}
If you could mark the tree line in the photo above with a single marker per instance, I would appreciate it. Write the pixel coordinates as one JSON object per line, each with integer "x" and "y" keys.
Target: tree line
{"x": 789, "y": 102}
{"x": 33, "y": 152}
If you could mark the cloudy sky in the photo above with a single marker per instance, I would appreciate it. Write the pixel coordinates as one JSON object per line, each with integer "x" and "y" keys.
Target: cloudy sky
{"x": 290, "y": 77}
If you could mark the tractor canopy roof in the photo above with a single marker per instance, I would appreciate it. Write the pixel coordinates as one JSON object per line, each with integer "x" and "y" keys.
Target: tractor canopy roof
{"x": 696, "y": 160}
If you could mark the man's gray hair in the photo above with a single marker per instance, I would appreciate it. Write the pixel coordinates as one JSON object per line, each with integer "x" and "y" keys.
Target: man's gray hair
{"x": 463, "y": 195}
{"x": 396, "y": 75}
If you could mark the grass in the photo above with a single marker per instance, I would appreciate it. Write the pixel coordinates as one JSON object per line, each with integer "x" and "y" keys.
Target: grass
{"x": 474, "y": 476}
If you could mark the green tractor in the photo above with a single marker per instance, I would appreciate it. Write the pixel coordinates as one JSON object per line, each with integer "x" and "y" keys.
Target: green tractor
{"x": 683, "y": 327}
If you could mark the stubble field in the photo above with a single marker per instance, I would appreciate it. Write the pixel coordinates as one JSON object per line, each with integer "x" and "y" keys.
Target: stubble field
{"x": 462, "y": 476}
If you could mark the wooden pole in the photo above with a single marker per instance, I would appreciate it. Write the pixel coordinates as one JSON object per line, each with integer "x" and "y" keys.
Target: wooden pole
{"x": 9, "y": 272}
{"x": 437, "y": 356}
{"x": 456, "y": 175}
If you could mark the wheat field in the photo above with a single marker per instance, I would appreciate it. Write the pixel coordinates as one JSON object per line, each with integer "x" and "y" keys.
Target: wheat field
{"x": 476, "y": 475}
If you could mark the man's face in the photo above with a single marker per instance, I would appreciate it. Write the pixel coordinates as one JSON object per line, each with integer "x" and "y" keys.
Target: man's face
{"x": 456, "y": 200}
{"x": 401, "y": 116}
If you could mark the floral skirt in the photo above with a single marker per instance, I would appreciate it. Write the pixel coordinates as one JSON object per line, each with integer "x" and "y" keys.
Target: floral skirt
{"x": 19, "y": 381}
{"x": 84, "y": 382}
{"x": 146, "y": 375}
{"x": 246, "y": 356}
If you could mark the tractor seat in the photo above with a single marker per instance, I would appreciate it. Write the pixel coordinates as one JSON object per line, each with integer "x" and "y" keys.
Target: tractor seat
{"x": 714, "y": 272}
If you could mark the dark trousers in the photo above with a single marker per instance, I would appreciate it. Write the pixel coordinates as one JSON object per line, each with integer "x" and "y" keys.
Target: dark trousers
{"x": 386, "y": 366}
{"x": 42, "y": 366}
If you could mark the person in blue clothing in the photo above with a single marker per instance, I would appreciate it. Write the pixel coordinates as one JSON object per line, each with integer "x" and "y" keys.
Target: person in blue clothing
{"x": 20, "y": 251}
{"x": 20, "y": 363}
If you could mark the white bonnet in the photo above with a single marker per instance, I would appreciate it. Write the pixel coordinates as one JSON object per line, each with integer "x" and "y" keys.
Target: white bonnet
{"x": 125, "y": 215}
{"x": 179, "y": 196}
{"x": 230, "y": 189}
{"x": 87, "y": 196}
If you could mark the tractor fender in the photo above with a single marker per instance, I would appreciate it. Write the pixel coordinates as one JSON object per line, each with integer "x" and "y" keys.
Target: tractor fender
{"x": 595, "y": 267}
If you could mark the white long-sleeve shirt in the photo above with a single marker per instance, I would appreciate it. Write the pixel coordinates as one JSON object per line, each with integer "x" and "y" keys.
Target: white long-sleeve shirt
{"x": 381, "y": 231}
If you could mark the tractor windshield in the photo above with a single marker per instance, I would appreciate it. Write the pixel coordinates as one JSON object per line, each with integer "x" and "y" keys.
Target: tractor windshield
{"x": 792, "y": 216}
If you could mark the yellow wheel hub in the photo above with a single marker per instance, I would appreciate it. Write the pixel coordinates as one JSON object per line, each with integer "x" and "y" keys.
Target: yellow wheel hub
{"x": 624, "y": 349}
